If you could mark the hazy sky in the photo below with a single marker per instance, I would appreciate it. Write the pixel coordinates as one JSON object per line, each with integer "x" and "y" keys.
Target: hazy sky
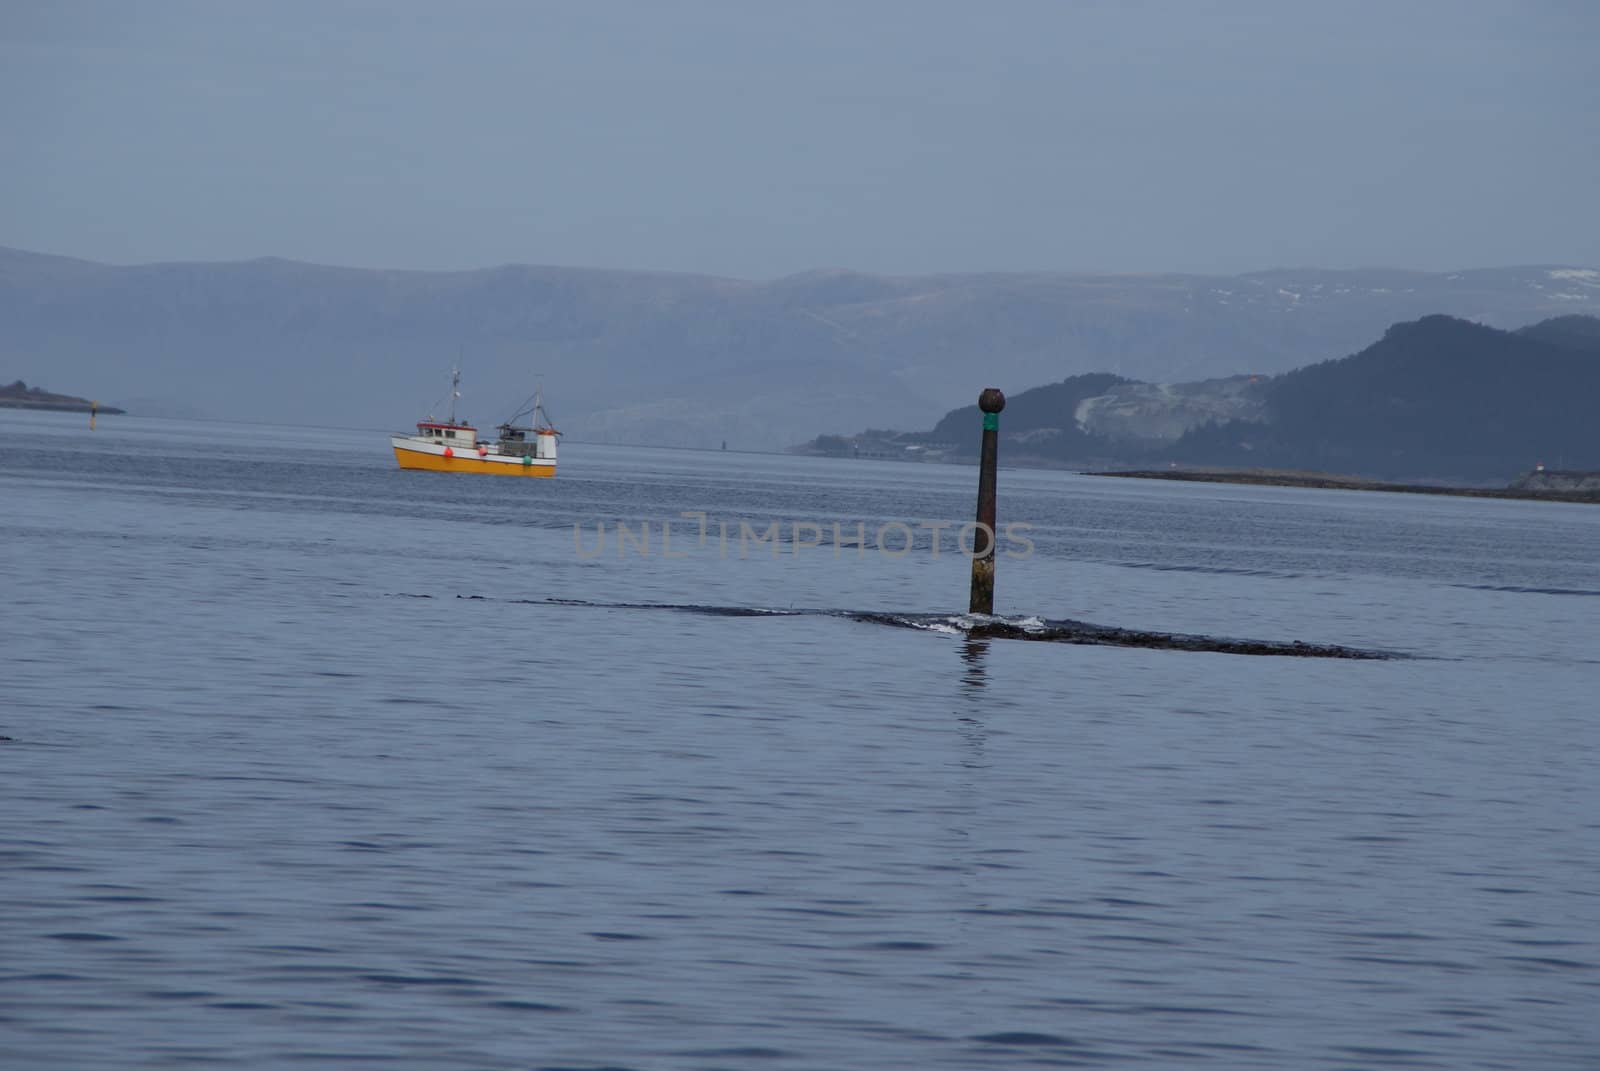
{"x": 755, "y": 139}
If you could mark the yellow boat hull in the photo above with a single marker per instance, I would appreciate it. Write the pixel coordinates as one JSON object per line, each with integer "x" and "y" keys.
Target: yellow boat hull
{"x": 417, "y": 459}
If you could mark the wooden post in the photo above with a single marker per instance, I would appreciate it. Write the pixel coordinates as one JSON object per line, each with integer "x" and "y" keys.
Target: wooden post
{"x": 991, "y": 401}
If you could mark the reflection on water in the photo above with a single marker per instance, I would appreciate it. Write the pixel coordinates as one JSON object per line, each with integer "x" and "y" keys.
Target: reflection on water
{"x": 970, "y": 722}
{"x": 974, "y": 653}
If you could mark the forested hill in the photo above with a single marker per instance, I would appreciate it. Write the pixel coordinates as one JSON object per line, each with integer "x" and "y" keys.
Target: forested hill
{"x": 1434, "y": 399}
{"x": 1438, "y": 397}
{"x": 1572, "y": 332}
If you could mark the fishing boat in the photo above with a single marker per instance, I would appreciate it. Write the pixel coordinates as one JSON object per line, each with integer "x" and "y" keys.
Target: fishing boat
{"x": 452, "y": 445}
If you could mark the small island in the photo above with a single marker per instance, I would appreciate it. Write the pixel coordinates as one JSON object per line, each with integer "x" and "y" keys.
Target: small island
{"x": 19, "y": 395}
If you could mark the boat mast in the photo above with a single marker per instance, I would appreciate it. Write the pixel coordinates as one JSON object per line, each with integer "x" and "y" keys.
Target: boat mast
{"x": 455, "y": 390}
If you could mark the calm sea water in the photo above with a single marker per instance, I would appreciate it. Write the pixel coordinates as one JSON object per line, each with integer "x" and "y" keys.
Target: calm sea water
{"x": 305, "y": 770}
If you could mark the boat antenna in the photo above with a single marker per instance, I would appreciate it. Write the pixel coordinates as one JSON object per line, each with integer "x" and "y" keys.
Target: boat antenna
{"x": 541, "y": 419}
{"x": 533, "y": 409}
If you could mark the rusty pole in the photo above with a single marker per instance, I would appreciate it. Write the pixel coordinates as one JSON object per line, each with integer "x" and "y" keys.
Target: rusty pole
{"x": 991, "y": 401}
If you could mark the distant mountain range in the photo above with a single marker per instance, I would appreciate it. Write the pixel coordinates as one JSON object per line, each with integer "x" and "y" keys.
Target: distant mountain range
{"x": 689, "y": 360}
{"x": 1438, "y": 399}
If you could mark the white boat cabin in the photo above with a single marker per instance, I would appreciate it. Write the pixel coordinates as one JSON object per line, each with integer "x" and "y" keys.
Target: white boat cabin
{"x": 463, "y": 435}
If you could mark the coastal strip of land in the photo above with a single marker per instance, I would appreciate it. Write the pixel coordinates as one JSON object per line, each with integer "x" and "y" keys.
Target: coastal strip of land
{"x": 19, "y": 395}
{"x": 1541, "y": 487}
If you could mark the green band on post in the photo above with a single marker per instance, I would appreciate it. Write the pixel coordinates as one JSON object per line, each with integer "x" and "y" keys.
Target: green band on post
{"x": 991, "y": 422}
